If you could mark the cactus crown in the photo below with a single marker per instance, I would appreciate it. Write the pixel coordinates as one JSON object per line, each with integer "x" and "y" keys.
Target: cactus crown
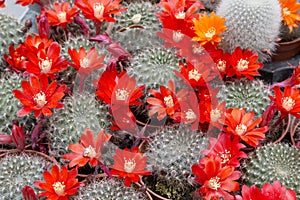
{"x": 170, "y": 156}
{"x": 274, "y": 162}
{"x": 252, "y": 95}
{"x": 251, "y": 24}
{"x": 106, "y": 189}
{"x": 18, "y": 170}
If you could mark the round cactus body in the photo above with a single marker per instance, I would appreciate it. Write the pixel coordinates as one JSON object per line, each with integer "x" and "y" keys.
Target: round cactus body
{"x": 10, "y": 105}
{"x": 154, "y": 66}
{"x": 81, "y": 111}
{"x": 19, "y": 170}
{"x": 251, "y": 25}
{"x": 274, "y": 162}
{"x": 170, "y": 156}
{"x": 252, "y": 95}
{"x": 107, "y": 189}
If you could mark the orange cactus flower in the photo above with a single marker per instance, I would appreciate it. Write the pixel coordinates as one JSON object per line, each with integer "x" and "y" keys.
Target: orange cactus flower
{"x": 209, "y": 28}
{"x": 242, "y": 124}
{"x": 87, "y": 150}
{"x": 61, "y": 15}
{"x": 129, "y": 165}
{"x": 290, "y": 13}
{"x": 85, "y": 62}
{"x": 165, "y": 102}
{"x": 27, "y": 2}
{"x": 244, "y": 63}
{"x": 39, "y": 96}
{"x": 46, "y": 61}
{"x": 288, "y": 102}
{"x": 118, "y": 89}
{"x": 216, "y": 180}
{"x": 59, "y": 185}
{"x": 100, "y": 10}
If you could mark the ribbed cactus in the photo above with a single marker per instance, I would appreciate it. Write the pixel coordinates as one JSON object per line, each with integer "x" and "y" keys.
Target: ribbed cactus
{"x": 9, "y": 105}
{"x": 252, "y": 95}
{"x": 211, "y": 4}
{"x": 138, "y": 13}
{"x": 251, "y": 24}
{"x": 18, "y": 170}
{"x": 170, "y": 156}
{"x": 136, "y": 39}
{"x": 154, "y": 66}
{"x": 274, "y": 162}
{"x": 81, "y": 111}
{"x": 10, "y": 33}
{"x": 106, "y": 189}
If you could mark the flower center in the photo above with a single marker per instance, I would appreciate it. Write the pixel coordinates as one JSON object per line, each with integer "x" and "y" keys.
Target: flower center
{"x": 89, "y": 152}
{"x": 242, "y": 65}
{"x": 136, "y": 18}
{"x": 215, "y": 114}
{"x": 241, "y": 129}
{"x": 122, "y": 94}
{"x": 177, "y": 36}
{"x": 129, "y": 165}
{"x": 210, "y": 32}
{"x": 40, "y": 99}
{"x": 225, "y": 156}
{"x": 286, "y": 11}
{"x": 62, "y": 16}
{"x": 214, "y": 183}
{"x": 221, "y": 65}
{"x": 59, "y": 188}
{"x": 21, "y": 58}
{"x": 168, "y": 100}
{"x": 197, "y": 49}
{"x": 98, "y": 10}
{"x": 84, "y": 63}
{"x": 190, "y": 115}
{"x": 45, "y": 65}
{"x": 180, "y": 15}
{"x": 194, "y": 74}
{"x": 288, "y": 103}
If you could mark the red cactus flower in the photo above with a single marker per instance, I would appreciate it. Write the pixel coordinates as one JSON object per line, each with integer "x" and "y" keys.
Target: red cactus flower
{"x": 15, "y": 59}
{"x": 27, "y": 2}
{"x": 118, "y": 89}
{"x": 227, "y": 148}
{"x": 242, "y": 124}
{"x": 34, "y": 43}
{"x": 46, "y": 61}
{"x": 2, "y": 3}
{"x": 288, "y": 102}
{"x": 129, "y": 165}
{"x": 87, "y": 150}
{"x": 28, "y": 193}
{"x": 222, "y": 61}
{"x": 244, "y": 63}
{"x": 39, "y": 96}
{"x": 60, "y": 184}
{"x": 84, "y": 61}
{"x": 61, "y": 15}
{"x": 18, "y": 136}
{"x": 216, "y": 180}
{"x": 100, "y": 10}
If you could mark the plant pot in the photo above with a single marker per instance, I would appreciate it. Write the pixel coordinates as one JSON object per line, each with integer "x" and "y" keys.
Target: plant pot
{"x": 286, "y": 50}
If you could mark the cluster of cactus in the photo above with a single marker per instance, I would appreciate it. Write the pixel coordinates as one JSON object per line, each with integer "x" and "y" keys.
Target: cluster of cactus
{"x": 19, "y": 170}
{"x": 81, "y": 111}
{"x": 251, "y": 25}
{"x": 252, "y": 95}
{"x": 154, "y": 66}
{"x": 105, "y": 188}
{"x": 138, "y": 13}
{"x": 9, "y": 105}
{"x": 171, "y": 154}
{"x": 10, "y": 33}
{"x": 274, "y": 162}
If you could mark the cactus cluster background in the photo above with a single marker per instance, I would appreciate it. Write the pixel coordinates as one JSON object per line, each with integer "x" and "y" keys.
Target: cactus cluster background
{"x": 148, "y": 100}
